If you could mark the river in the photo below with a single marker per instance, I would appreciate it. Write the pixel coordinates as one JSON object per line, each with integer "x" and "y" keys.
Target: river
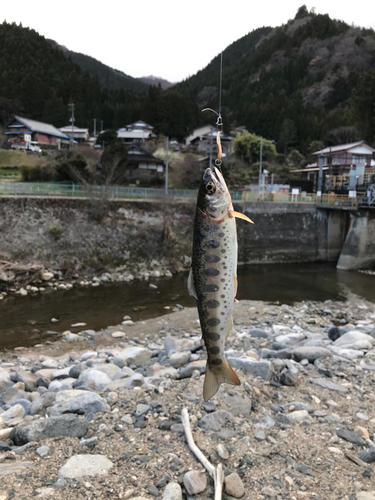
{"x": 26, "y": 321}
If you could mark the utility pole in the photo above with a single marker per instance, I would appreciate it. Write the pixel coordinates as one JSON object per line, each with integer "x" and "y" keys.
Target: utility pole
{"x": 101, "y": 126}
{"x": 94, "y": 127}
{"x": 166, "y": 167}
{"x": 72, "y": 119}
{"x": 320, "y": 179}
{"x": 260, "y": 163}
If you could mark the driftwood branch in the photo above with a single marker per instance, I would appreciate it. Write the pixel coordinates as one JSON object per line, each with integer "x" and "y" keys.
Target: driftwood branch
{"x": 20, "y": 274}
{"x": 216, "y": 473}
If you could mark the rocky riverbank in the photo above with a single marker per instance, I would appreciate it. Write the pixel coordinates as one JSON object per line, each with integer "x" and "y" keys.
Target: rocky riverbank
{"x": 98, "y": 414}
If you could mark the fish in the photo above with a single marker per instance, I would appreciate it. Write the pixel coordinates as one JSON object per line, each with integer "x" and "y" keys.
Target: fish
{"x": 213, "y": 275}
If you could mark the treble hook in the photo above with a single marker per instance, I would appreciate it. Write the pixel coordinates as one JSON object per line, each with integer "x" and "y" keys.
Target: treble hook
{"x": 219, "y": 124}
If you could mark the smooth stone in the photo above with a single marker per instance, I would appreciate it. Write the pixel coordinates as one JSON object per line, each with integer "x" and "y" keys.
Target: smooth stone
{"x": 368, "y": 455}
{"x": 78, "y": 401}
{"x": 133, "y": 356}
{"x": 311, "y": 353}
{"x": 299, "y": 416}
{"x": 222, "y": 451}
{"x": 327, "y": 384}
{"x": 234, "y": 485}
{"x": 179, "y": 359}
{"x": 14, "y": 468}
{"x": 195, "y": 482}
{"x": 43, "y": 451}
{"x": 85, "y": 465}
{"x": 355, "y": 340}
{"x": 61, "y": 385}
{"x": 290, "y": 338}
{"x": 62, "y": 373}
{"x": 176, "y": 345}
{"x": 259, "y": 333}
{"x": 118, "y": 334}
{"x": 172, "y": 492}
{"x": 44, "y": 401}
{"x": 14, "y": 415}
{"x": 215, "y": 421}
{"x": 365, "y": 495}
{"x": 142, "y": 409}
{"x": 87, "y": 355}
{"x": 136, "y": 380}
{"x": 350, "y": 436}
{"x": 262, "y": 369}
{"x": 260, "y": 436}
{"x": 108, "y": 368}
{"x": 348, "y": 353}
{"x": 66, "y": 426}
{"x": 187, "y": 371}
{"x": 94, "y": 379}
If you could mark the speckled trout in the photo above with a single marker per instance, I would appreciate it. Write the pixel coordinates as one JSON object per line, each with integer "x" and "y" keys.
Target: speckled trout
{"x": 213, "y": 275}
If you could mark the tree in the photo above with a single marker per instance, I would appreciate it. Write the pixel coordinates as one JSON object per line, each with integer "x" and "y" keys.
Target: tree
{"x": 112, "y": 164}
{"x": 107, "y": 137}
{"x": 247, "y": 147}
{"x": 342, "y": 135}
{"x": 288, "y": 134}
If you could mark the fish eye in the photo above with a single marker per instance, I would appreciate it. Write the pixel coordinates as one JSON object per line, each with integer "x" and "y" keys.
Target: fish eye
{"x": 210, "y": 187}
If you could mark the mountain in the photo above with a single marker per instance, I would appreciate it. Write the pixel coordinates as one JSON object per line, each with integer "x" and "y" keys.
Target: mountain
{"x": 107, "y": 77}
{"x": 301, "y": 80}
{"x": 156, "y": 80}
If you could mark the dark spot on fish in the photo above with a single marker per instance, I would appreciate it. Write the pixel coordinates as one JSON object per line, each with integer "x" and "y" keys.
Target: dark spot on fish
{"x": 213, "y": 322}
{"x": 213, "y": 229}
{"x": 213, "y": 304}
{"x": 212, "y": 244}
{"x": 221, "y": 235}
{"x": 211, "y": 288}
{"x": 223, "y": 250}
{"x": 199, "y": 236}
{"x": 222, "y": 296}
{"x": 225, "y": 267}
{"x": 213, "y": 336}
{"x": 214, "y": 350}
{"x": 222, "y": 313}
{"x": 216, "y": 361}
{"x": 210, "y": 271}
{"x": 212, "y": 259}
{"x": 222, "y": 280}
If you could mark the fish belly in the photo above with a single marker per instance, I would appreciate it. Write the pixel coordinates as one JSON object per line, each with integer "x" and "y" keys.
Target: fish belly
{"x": 214, "y": 273}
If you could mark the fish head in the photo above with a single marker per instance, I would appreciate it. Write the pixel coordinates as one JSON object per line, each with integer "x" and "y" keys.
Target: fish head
{"x": 213, "y": 197}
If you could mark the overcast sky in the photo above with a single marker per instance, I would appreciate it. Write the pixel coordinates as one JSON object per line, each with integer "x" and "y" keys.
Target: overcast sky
{"x": 163, "y": 38}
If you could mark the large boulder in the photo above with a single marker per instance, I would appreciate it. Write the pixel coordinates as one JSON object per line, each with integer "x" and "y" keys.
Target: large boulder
{"x": 133, "y": 356}
{"x": 66, "y": 426}
{"x": 78, "y": 401}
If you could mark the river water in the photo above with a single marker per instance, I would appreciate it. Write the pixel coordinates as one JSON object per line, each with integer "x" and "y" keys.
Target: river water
{"x": 27, "y": 320}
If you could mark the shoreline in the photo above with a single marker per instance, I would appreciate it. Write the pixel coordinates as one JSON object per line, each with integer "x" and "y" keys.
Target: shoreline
{"x": 102, "y": 416}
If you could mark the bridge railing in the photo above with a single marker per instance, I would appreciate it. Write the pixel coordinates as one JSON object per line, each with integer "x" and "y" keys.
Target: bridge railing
{"x": 307, "y": 198}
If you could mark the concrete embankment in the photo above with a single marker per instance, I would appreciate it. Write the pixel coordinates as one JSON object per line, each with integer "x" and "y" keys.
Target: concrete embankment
{"x": 68, "y": 234}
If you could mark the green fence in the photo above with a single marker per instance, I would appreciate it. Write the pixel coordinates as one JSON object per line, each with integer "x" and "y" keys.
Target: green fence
{"x": 114, "y": 192}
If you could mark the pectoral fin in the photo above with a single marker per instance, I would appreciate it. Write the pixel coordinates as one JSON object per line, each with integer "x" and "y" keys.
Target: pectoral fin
{"x": 240, "y": 216}
{"x": 190, "y": 283}
{"x": 230, "y": 326}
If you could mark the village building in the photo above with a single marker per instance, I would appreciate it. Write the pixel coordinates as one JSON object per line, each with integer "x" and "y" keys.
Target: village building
{"x": 344, "y": 167}
{"x": 203, "y": 140}
{"x": 143, "y": 167}
{"x": 24, "y": 133}
{"x": 138, "y": 132}
{"x": 79, "y": 135}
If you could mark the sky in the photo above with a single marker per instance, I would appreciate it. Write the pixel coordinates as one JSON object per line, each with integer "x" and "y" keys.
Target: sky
{"x": 164, "y": 38}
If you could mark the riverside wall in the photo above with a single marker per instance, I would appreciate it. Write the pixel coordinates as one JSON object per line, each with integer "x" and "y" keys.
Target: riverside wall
{"x": 66, "y": 233}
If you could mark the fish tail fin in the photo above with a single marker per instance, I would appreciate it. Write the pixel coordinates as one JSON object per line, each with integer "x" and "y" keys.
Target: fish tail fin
{"x": 214, "y": 378}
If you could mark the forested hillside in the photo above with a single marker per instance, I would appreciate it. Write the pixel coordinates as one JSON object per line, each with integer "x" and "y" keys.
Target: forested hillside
{"x": 296, "y": 82}
{"x": 38, "y": 81}
{"x": 293, "y": 84}
{"x": 107, "y": 77}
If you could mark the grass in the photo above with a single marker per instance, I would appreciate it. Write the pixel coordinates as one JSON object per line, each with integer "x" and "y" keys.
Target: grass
{"x": 9, "y": 158}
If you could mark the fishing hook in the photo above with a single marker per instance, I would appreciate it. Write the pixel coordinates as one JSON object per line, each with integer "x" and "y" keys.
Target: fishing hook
{"x": 219, "y": 124}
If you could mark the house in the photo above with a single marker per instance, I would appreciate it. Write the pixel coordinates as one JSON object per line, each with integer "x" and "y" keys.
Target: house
{"x": 78, "y": 134}
{"x": 345, "y": 167}
{"x": 22, "y": 132}
{"x": 143, "y": 167}
{"x": 138, "y": 132}
{"x": 205, "y": 142}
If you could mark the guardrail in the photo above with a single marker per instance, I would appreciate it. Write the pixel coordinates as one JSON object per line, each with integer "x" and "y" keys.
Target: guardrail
{"x": 71, "y": 190}
{"x": 325, "y": 199}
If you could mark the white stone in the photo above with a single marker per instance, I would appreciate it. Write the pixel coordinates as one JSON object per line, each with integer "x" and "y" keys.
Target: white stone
{"x": 85, "y": 465}
{"x": 299, "y": 416}
{"x": 132, "y": 356}
{"x": 46, "y": 276}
